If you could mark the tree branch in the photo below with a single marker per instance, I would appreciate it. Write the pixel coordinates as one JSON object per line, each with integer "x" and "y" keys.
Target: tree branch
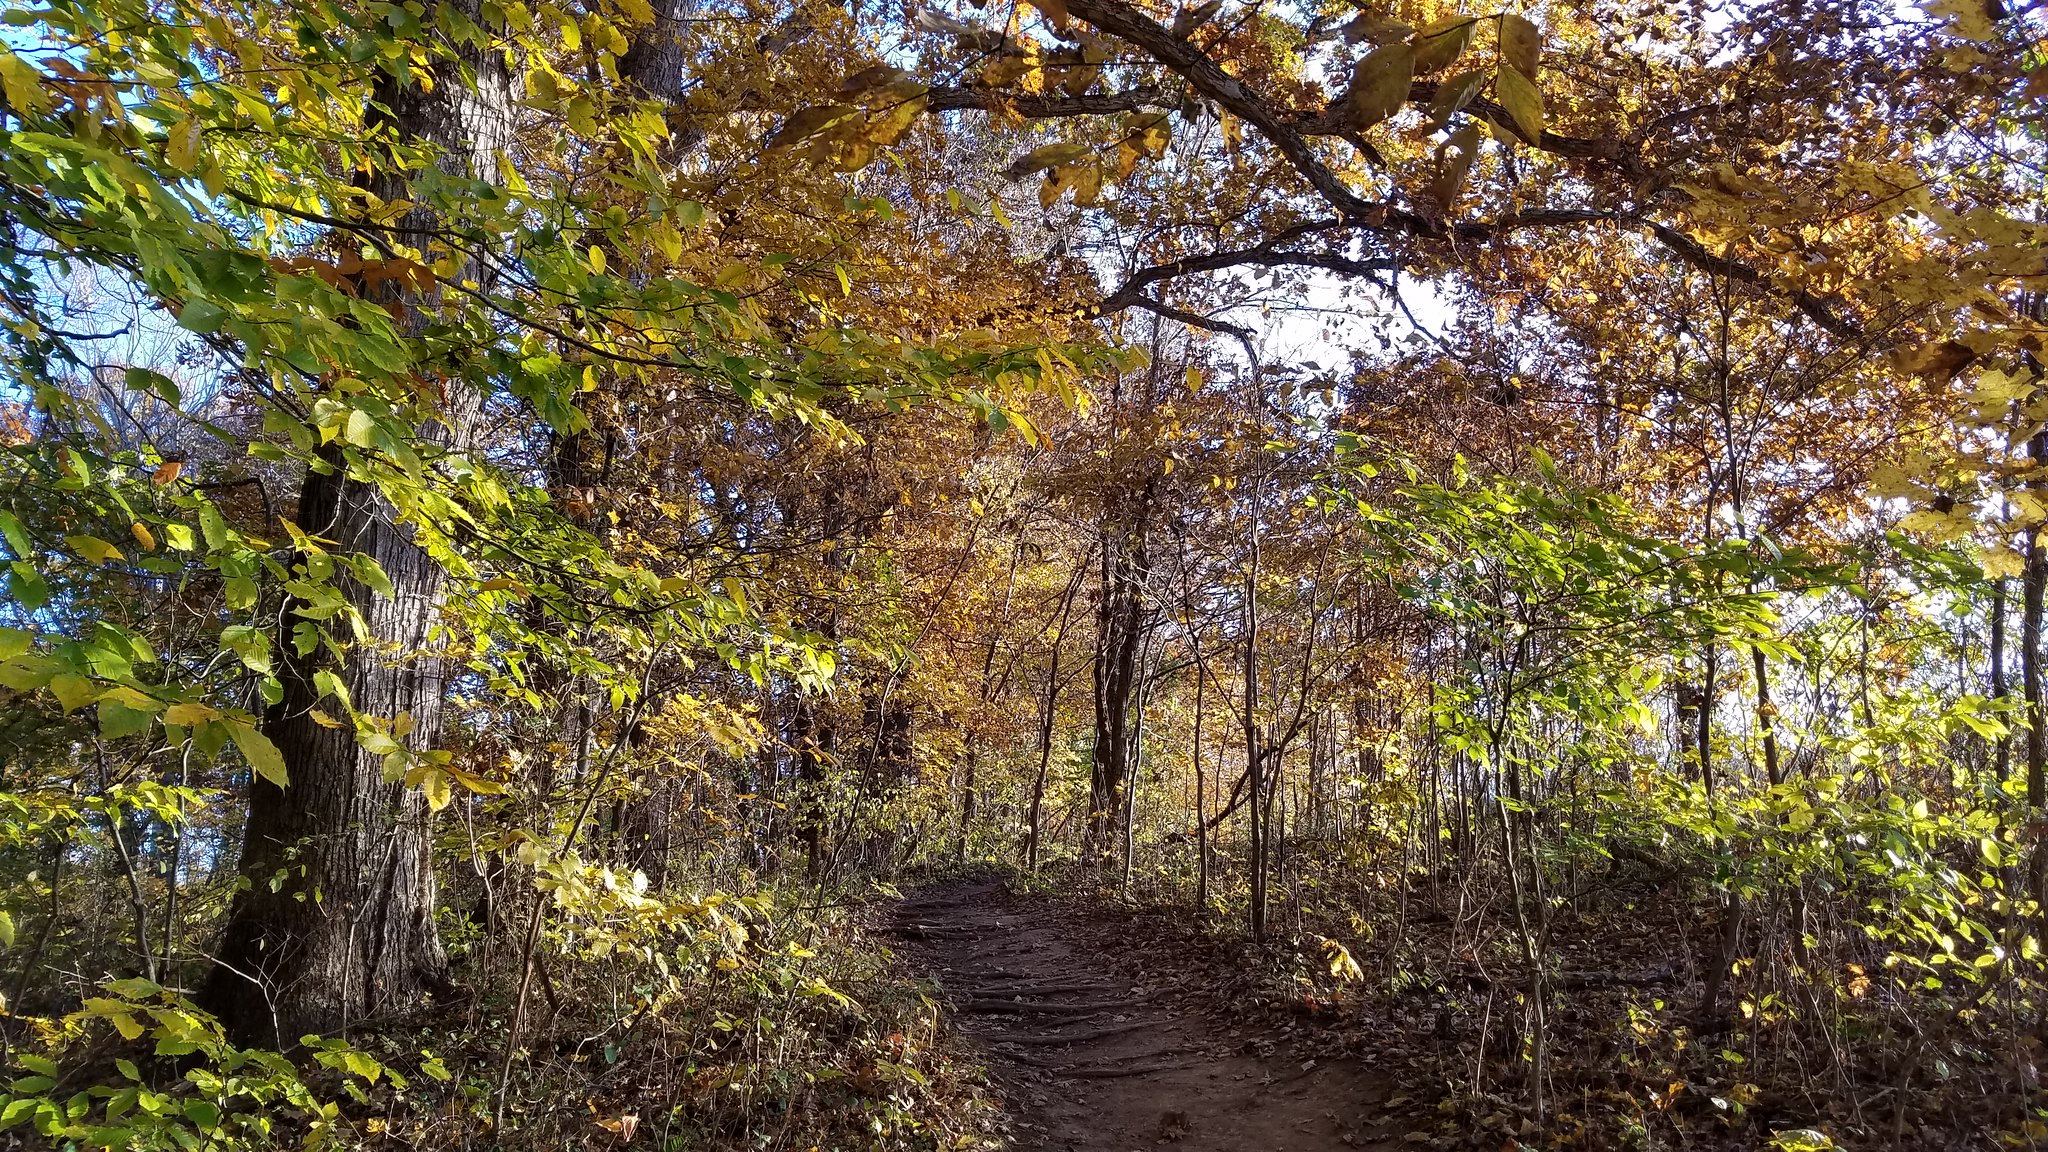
{"x": 1045, "y": 107}
{"x": 1197, "y": 320}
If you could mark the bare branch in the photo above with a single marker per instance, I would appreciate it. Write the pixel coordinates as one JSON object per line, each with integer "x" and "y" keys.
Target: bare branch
{"x": 1197, "y": 320}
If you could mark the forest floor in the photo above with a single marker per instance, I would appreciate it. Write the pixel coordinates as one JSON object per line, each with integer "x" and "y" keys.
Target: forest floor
{"x": 1098, "y": 1045}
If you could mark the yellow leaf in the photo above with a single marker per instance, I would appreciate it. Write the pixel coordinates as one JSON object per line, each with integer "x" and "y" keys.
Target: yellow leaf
{"x": 892, "y": 111}
{"x": 1519, "y": 95}
{"x": 1055, "y": 11}
{"x": 1970, "y": 19}
{"x": 1149, "y": 133}
{"x": 72, "y": 690}
{"x": 1454, "y": 161}
{"x": 505, "y": 584}
{"x": 476, "y": 783}
{"x": 188, "y": 715}
{"x": 1379, "y": 85}
{"x": 94, "y": 549}
{"x": 142, "y": 535}
{"x": 1999, "y": 561}
{"x": 436, "y": 788}
{"x": 1050, "y": 191}
{"x": 1040, "y": 159}
{"x": 808, "y": 122}
{"x": 22, "y": 83}
{"x": 1438, "y": 46}
{"x": 597, "y": 259}
{"x": 1087, "y": 179}
{"x": 181, "y": 151}
{"x": 1521, "y": 45}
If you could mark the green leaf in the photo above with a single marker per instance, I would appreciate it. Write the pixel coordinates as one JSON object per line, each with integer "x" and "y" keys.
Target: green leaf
{"x": 134, "y": 988}
{"x": 371, "y": 574}
{"x": 118, "y": 720}
{"x": 212, "y": 526}
{"x": 6, "y": 929}
{"x": 361, "y": 430}
{"x": 251, "y": 644}
{"x": 26, "y": 585}
{"x": 15, "y": 535}
{"x": 15, "y": 1111}
{"x": 327, "y": 683}
{"x": 154, "y": 383}
{"x": 263, "y": 757}
{"x": 202, "y": 316}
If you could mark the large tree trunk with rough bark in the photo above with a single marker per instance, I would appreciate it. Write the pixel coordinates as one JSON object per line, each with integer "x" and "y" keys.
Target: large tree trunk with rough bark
{"x": 334, "y": 923}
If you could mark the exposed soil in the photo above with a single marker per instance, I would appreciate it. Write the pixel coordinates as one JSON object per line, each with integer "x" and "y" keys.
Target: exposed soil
{"x": 1096, "y": 1049}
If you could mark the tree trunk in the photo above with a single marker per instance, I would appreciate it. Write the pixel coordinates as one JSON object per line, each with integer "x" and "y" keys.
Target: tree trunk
{"x": 1201, "y": 804}
{"x": 1119, "y": 634}
{"x": 1254, "y": 746}
{"x": 335, "y": 920}
{"x": 2002, "y": 749}
{"x": 1045, "y": 726}
{"x": 2032, "y": 585}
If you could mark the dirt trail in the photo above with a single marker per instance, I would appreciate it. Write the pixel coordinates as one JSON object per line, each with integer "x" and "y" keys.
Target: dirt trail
{"x": 1096, "y": 1052}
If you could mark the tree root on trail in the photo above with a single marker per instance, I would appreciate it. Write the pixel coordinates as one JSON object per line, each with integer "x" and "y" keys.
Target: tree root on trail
{"x": 1115, "y": 1073}
{"x": 1049, "y": 1038}
{"x": 984, "y": 991}
{"x": 1067, "y": 1067}
{"x": 998, "y": 1007}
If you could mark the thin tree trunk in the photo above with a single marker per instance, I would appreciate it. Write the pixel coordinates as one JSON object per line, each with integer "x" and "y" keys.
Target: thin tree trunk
{"x": 2002, "y": 748}
{"x": 1254, "y": 746}
{"x": 1045, "y": 725}
{"x": 1201, "y": 804}
{"x": 2033, "y": 583}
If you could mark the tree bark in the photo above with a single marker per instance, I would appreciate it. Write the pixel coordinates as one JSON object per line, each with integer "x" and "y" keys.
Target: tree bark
{"x": 334, "y": 922}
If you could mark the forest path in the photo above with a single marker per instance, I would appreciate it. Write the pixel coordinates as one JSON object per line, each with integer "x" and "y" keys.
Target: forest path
{"x": 1095, "y": 1052}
